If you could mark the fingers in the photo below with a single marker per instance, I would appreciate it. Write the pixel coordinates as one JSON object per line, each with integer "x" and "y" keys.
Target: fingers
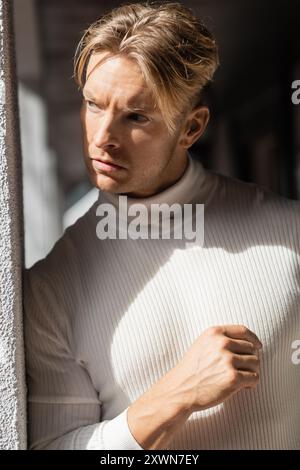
{"x": 242, "y": 347}
{"x": 245, "y": 362}
{"x": 241, "y": 332}
{"x": 248, "y": 379}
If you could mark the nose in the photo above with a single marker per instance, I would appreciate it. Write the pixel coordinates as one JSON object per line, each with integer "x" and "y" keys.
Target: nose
{"x": 105, "y": 136}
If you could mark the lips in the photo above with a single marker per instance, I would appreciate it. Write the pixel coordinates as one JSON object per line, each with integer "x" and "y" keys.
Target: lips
{"x": 106, "y": 165}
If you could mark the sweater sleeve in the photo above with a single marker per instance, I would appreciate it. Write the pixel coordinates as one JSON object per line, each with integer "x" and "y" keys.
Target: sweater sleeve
{"x": 64, "y": 409}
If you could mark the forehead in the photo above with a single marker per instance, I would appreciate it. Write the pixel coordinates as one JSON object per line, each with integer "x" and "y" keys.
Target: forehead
{"x": 117, "y": 78}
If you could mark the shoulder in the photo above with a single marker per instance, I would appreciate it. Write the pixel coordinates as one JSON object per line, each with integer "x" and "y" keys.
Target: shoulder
{"x": 233, "y": 191}
{"x": 257, "y": 209}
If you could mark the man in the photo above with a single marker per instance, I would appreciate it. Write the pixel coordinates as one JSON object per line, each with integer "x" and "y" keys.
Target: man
{"x": 153, "y": 343}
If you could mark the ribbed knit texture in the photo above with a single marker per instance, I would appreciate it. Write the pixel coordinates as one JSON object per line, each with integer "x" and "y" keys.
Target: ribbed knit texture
{"x": 106, "y": 319}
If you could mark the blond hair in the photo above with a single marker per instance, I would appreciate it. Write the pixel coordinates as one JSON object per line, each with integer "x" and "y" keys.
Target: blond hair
{"x": 176, "y": 53}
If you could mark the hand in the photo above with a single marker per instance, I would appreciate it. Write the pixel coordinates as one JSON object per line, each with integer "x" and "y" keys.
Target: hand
{"x": 222, "y": 361}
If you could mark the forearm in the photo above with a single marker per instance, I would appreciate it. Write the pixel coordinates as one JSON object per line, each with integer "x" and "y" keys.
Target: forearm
{"x": 159, "y": 414}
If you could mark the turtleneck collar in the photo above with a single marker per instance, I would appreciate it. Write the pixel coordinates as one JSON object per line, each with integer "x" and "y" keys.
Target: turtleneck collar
{"x": 185, "y": 190}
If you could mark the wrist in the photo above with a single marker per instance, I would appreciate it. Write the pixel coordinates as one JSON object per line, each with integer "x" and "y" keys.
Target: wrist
{"x": 176, "y": 393}
{"x": 156, "y": 416}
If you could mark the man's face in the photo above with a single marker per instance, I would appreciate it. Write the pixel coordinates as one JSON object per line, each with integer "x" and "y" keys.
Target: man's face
{"x": 121, "y": 126}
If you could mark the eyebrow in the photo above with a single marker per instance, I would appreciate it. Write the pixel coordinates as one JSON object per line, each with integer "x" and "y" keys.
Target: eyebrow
{"x": 134, "y": 107}
{"x": 139, "y": 108}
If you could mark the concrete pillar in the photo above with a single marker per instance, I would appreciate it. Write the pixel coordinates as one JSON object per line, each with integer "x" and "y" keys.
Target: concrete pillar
{"x": 12, "y": 371}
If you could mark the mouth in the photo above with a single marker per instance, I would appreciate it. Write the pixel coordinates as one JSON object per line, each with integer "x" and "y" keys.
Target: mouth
{"x": 106, "y": 166}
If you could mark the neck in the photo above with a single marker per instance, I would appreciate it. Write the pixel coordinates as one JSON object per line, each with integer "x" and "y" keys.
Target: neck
{"x": 187, "y": 187}
{"x": 170, "y": 175}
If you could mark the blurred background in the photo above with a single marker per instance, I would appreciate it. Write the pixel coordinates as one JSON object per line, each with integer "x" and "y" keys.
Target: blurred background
{"x": 253, "y": 133}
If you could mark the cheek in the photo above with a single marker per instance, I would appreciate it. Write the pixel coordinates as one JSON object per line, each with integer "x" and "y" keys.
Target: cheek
{"x": 152, "y": 137}
{"x": 89, "y": 128}
{"x": 139, "y": 137}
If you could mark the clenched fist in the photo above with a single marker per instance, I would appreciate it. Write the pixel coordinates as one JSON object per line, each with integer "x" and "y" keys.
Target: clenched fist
{"x": 222, "y": 361}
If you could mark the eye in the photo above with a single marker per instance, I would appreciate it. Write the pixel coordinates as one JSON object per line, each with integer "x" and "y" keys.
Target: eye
{"x": 138, "y": 117}
{"x": 91, "y": 105}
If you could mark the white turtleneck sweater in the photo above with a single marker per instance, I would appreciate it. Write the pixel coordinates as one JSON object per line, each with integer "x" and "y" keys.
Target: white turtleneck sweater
{"x": 106, "y": 319}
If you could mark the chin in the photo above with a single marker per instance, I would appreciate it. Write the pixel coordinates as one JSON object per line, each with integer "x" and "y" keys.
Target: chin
{"x": 108, "y": 184}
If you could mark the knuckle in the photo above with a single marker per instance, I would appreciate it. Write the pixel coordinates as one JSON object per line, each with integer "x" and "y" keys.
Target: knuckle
{"x": 256, "y": 360}
{"x": 243, "y": 329}
{"x": 233, "y": 377}
{"x": 229, "y": 359}
{"x": 225, "y": 342}
{"x": 214, "y": 330}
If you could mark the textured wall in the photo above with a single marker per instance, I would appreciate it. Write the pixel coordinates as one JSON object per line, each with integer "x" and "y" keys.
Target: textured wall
{"x": 12, "y": 380}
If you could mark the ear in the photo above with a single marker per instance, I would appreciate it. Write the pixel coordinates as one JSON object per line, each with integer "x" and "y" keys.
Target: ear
{"x": 195, "y": 126}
